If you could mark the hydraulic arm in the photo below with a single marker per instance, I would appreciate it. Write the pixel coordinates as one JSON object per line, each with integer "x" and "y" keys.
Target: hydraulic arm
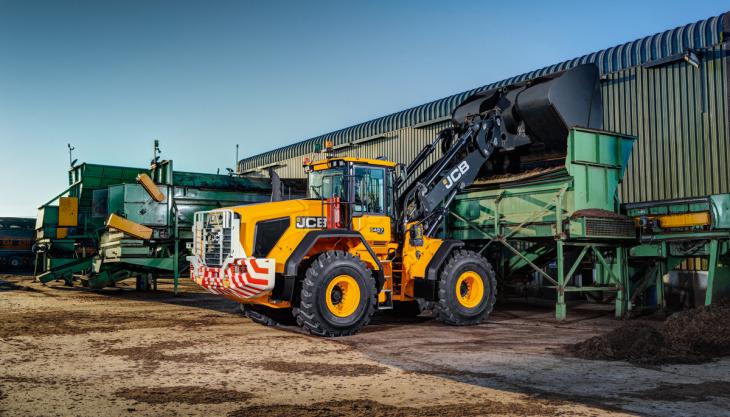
{"x": 501, "y": 120}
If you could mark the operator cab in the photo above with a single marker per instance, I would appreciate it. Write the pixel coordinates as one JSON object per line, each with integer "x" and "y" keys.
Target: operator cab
{"x": 362, "y": 187}
{"x": 365, "y": 184}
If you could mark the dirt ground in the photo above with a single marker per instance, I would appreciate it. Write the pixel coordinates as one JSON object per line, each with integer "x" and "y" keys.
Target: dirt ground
{"x": 73, "y": 352}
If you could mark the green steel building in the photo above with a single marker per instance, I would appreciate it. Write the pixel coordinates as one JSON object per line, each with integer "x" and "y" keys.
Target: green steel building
{"x": 669, "y": 90}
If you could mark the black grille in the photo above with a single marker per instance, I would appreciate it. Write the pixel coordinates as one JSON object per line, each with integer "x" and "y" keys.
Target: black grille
{"x": 614, "y": 228}
{"x": 267, "y": 234}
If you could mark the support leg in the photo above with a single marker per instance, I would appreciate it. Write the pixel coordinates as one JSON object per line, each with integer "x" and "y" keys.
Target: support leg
{"x": 560, "y": 308}
{"x": 176, "y": 266}
{"x": 35, "y": 266}
{"x": 622, "y": 295}
{"x": 660, "y": 271}
{"x": 712, "y": 271}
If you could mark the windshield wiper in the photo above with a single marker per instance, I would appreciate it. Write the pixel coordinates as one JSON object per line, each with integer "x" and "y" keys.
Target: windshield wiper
{"x": 315, "y": 191}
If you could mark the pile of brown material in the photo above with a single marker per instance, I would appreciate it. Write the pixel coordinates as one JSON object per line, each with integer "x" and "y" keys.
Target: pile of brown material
{"x": 692, "y": 336}
{"x": 599, "y": 213}
{"x": 322, "y": 369}
{"x": 524, "y": 175}
{"x": 361, "y": 408}
{"x": 184, "y": 394}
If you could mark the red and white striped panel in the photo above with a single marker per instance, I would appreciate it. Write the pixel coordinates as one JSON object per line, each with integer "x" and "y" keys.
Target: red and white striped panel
{"x": 242, "y": 278}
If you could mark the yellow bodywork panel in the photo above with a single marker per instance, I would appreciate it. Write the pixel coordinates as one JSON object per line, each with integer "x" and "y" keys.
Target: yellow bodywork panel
{"x": 152, "y": 189}
{"x": 415, "y": 262}
{"x": 304, "y": 216}
{"x": 129, "y": 227}
{"x": 685, "y": 220}
{"x": 375, "y": 229}
{"x": 68, "y": 211}
{"x": 292, "y": 209}
{"x": 673, "y": 221}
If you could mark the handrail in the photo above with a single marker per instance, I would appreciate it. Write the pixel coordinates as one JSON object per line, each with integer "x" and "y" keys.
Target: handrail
{"x": 60, "y": 194}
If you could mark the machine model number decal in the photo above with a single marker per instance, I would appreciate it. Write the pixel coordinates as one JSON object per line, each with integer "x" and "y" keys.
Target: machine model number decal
{"x": 311, "y": 222}
{"x": 378, "y": 230}
{"x": 455, "y": 174}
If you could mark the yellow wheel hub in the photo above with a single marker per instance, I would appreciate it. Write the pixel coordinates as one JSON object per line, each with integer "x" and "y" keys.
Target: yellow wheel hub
{"x": 469, "y": 289}
{"x": 343, "y": 296}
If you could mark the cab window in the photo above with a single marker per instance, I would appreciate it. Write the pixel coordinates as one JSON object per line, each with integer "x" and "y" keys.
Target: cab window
{"x": 325, "y": 183}
{"x": 370, "y": 190}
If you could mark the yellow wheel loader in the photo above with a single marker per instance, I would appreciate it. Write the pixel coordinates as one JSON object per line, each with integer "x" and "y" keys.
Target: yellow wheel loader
{"x": 367, "y": 235}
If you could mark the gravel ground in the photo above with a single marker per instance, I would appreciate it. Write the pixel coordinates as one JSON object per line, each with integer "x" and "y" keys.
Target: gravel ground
{"x": 69, "y": 351}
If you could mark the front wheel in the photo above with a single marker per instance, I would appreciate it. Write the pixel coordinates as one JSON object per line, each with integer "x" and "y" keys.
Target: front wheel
{"x": 338, "y": 295}
{"x": 467, "y": 289}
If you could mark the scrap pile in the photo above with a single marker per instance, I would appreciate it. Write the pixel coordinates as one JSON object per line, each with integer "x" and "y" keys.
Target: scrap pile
{"x": 691, "y": 336}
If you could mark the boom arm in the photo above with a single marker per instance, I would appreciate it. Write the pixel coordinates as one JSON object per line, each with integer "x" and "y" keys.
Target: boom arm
{"x": 540, "y": 110}
{"x": 457, "y": 168}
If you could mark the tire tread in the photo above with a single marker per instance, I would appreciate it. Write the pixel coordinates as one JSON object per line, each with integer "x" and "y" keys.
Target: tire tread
{"x": 444, "y": 312}
{"x": 307, "y": 315}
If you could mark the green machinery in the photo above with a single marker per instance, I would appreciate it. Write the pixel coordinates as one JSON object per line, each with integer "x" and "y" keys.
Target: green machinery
{"x": 672, "y": 232}
{"x": 113, "y": 223}
{"x": 560, "y": 223}
{"x": 66, "y": 236}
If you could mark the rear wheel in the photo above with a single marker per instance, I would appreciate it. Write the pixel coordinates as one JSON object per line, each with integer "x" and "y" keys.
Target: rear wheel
{"x": 338, "y": 295}
{"x": 467, "y": 289}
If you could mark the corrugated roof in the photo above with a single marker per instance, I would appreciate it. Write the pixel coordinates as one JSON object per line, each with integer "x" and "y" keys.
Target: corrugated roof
{"x": 699, "y": 35}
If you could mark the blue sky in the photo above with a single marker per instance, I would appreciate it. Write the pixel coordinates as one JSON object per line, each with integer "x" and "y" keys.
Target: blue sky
{"x": 111, "y": 76}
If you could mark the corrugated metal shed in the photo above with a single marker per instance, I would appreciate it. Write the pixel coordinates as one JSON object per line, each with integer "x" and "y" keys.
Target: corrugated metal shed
{"x": 652, "y": 88}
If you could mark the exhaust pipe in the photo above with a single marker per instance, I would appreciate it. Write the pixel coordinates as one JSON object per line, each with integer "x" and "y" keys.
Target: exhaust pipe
{"x": 275, "y": 185}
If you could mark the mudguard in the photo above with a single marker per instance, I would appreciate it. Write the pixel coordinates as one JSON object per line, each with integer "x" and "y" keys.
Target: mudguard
{"x": 284, "y": 289}
{"x": 427, "y": 288}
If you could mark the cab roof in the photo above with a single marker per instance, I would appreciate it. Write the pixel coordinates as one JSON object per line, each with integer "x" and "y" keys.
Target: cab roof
{"x": 326, "y": 163}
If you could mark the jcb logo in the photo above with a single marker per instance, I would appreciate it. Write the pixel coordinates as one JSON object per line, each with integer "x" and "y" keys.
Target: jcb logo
{"x": 456, "y": 174}
{"x": 311, "y": 222}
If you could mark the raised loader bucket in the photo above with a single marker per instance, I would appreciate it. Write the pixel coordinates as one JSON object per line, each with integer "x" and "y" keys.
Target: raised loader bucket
{"x": 543, "y": 109}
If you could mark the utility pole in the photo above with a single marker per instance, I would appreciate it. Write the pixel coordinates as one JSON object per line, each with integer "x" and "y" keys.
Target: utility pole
{"x": 70, "y": 155}
{"x": 235, "y": 164}
{"x": 155, "y": 151}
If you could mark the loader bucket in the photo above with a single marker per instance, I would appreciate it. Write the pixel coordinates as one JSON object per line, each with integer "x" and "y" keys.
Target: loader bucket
{"x": 551, "y": 108}
{"x": 545, "y": 108}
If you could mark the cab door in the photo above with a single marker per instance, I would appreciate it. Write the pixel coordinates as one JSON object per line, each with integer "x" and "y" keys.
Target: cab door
{"x": 372, "y": 208}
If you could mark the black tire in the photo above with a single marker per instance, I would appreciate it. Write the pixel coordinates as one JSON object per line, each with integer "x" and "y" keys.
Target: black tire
{"x": 268, "y": 316}
{"x": 450, "y": 309}
{"x": 313, "y": 313}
